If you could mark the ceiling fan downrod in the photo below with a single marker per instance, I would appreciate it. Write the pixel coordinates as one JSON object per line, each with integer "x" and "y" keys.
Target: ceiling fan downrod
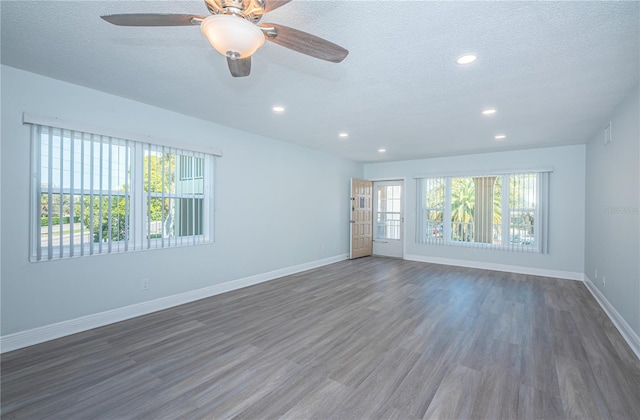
{"x": 250, "y": 10}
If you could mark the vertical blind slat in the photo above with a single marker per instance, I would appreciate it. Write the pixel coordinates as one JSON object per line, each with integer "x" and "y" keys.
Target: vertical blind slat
{"x": 50, "y": 198}
{"x": 148, "y": 196}
{"x": 36, "y": 132}
{"x": 162, "y": 196}
{"x": 71, "y": 193}
{"x": 109, "y": 197}
{"x": 61, "y": 195}
{"x": 193, "y": 203}
{"x": 91, "y": 195}
{"x": 126, "y": 199}
{"x": 82, "y": 194}
{"x": 100, "y": 195}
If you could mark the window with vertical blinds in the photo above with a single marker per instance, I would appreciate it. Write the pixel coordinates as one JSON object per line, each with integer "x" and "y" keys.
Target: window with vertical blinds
{"x": 503, "y": 211}
{"x": 96, "y": 194}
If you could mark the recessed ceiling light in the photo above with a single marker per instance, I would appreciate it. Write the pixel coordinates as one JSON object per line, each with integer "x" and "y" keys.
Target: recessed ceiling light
{"x": 343, "y": 134}
{"x": 382, "y": 150}
{"x": 500, "y": 137}
{"x": 489, "y": 111}
{"x": 466, "y": 59}
{"x": 278, "y": 109}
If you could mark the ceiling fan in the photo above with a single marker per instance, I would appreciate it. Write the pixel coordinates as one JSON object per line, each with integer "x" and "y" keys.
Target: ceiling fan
{"x": 233, "y": 30}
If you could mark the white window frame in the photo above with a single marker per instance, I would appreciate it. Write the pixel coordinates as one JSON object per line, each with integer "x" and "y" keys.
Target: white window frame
{"x": 137, "y": 220}
{"x": 540, "y": 240}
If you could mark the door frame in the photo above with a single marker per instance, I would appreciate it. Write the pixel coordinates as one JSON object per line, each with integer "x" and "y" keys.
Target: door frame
{"x": 403, "y": 203}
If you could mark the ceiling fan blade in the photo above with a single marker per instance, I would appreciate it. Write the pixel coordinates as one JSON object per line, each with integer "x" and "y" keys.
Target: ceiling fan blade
{"x": 153, "y": 19}
{"x": 303, "y": 42}
{"x": 270, "y": 5}
{"x": 240, "y": 67}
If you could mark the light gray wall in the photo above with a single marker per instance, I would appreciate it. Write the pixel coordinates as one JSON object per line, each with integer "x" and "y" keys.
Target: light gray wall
{"x": 612, "y": 243}
{"x": 566, "y": 213}
{"x": 278, "y": 205}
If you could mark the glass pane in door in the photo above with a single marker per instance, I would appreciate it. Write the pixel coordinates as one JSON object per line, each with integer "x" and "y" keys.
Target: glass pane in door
{"x": 388, "y": 220}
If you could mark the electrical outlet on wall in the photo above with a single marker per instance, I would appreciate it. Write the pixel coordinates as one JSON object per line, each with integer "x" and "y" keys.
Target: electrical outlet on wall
{"x": 145, "y": 283}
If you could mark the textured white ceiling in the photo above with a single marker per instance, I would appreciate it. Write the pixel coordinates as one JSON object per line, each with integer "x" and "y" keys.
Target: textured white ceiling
{"x": 553, "y": 70}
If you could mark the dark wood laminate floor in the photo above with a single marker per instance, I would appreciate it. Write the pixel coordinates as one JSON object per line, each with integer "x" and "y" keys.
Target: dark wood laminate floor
{"x": 370, "y": 338}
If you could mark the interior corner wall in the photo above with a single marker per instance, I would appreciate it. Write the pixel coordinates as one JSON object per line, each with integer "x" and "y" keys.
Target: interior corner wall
{"x": 277, "y": 206}
{"x": 566, "y": 214}
{"x": 612, "y": 244}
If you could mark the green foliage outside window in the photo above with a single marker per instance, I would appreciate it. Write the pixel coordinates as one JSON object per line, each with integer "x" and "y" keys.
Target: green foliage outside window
{"x": 95, "y": 216}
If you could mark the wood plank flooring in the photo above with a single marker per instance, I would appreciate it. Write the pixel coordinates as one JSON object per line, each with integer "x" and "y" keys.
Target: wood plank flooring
{"x": 373, "y": 338}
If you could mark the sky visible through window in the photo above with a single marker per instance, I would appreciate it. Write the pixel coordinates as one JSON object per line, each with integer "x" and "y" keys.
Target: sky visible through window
{"x": 110, "y": 162}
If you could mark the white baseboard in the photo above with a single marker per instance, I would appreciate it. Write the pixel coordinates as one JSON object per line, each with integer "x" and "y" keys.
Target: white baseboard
{"x": 625, "y": 330}
{"x": 543, "y": 272}
{"x": 60, "y": 329}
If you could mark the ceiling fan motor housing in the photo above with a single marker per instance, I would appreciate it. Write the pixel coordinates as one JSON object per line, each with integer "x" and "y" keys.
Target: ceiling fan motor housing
{"x": 251, "y": 10}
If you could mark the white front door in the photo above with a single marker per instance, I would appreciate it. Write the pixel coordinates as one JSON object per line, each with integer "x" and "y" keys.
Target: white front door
{"x": 388, "y": 218}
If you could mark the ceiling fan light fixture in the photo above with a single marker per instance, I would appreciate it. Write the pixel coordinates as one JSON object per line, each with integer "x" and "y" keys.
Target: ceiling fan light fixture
{"x": 232, "y": 36}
